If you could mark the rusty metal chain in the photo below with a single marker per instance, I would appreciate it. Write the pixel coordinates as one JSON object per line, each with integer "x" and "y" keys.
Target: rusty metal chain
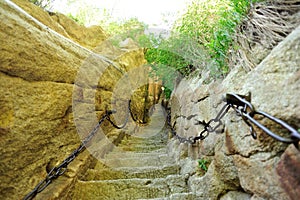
{"x": 60, "y": 169}
{"x": 247, "y": 111}
{"x": 126, "y": 120}
{"x": 208, "y": 127}
{"x": 239, "y": 103}
{"x": 242, "y": 106}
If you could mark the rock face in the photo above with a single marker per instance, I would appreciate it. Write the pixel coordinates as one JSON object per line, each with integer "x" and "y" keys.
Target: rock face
{"x": 41, "y": 55}
{"x": 241, "y": 167}
{"x": 89, "y": 37}
{"x": 57, "y": 79}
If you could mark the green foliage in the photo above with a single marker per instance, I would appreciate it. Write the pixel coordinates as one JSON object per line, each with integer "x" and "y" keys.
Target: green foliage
{"x": 201, "y": 39}
{"x": 76, "y": 19}
{"x": 85, "y": 14}
{"x": 131, "y": 28}
{"x": 212, "y": 23}
{"x": 165, "y": 64}
{"x": 166, "y": 58}
{"x": 202, "y": 164}
{"x": 168, "y": 93}
{"x": 173, "y": 57}
{"x": 220, "y": 44}
{"x": 119, "y": 30}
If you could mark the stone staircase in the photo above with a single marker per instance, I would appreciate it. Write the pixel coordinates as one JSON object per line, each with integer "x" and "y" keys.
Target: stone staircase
{"x": 139, "y": 168}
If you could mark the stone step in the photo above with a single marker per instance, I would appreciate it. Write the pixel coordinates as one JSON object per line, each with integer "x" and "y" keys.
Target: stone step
{"x": 130, "y": 173}
{"x": 121, "y": 150}
{"x": 178, "y": 196}
{"x": 140, "y": 136}
{"x": 142, "y": 141}
{"x": 124, "y": 189}
{"x": 154, "y": 137}
{"x": 132, "y": 154}
{"x": 149, "y": 160}
{"x": 142, "y": 147}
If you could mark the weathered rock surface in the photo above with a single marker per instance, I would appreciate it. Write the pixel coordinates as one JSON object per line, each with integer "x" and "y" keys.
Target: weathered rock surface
{"x": 263, "y": 168}
{"x": 288, "y": 172}
{"x": 232, "y": 195}
{"x": 89, "y": 37}
{"x": 40, "y": 57}
{"x": 45, "y": 103}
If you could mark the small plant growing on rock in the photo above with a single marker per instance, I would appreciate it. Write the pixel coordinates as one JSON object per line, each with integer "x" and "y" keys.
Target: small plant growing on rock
{"x": 202, "y": 166}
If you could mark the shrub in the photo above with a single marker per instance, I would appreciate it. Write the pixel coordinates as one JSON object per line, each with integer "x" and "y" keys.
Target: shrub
{"x": 212, "y": 24}
{"x": 200, "y": 40}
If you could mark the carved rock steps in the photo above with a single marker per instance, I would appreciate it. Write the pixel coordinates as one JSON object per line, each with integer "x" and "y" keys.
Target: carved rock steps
{"x": 142, "y": 173}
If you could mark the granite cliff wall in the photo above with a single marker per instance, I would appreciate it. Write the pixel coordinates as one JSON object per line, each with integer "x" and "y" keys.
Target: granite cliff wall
{"x": 41, "y": 55}
{"x": 47, "y": 98}
{"x": 240, "y": 167}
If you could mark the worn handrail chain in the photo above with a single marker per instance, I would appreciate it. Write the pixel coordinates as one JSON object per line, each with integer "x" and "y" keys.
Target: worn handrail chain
{"x": 239, "y": 103}
{"x": 60, "y": 169}
{"x": 247, "y": 111}
{"x": 208, "y": 128}
{"x": 243, "y": 108}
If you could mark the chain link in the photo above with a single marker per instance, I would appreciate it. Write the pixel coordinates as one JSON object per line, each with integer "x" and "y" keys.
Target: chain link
{"x": 60, "y": 169}
{"x": 126, "y": 120}
{"x": 248, "y": 117}
{"x": 243, "y": 108}
{"x": 208, "y": 127}
{"x": 239, "y": 103}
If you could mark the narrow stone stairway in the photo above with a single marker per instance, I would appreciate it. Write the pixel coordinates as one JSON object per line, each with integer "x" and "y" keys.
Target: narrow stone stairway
{"x": 139, "y": 168}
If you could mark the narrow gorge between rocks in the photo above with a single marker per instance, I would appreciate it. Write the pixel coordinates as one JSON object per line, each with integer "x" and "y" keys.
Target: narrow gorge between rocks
{"x": 58, "y": 78}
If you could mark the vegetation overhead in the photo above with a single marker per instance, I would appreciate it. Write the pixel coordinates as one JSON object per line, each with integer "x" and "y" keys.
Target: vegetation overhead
{"x": 201, "y": 41}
